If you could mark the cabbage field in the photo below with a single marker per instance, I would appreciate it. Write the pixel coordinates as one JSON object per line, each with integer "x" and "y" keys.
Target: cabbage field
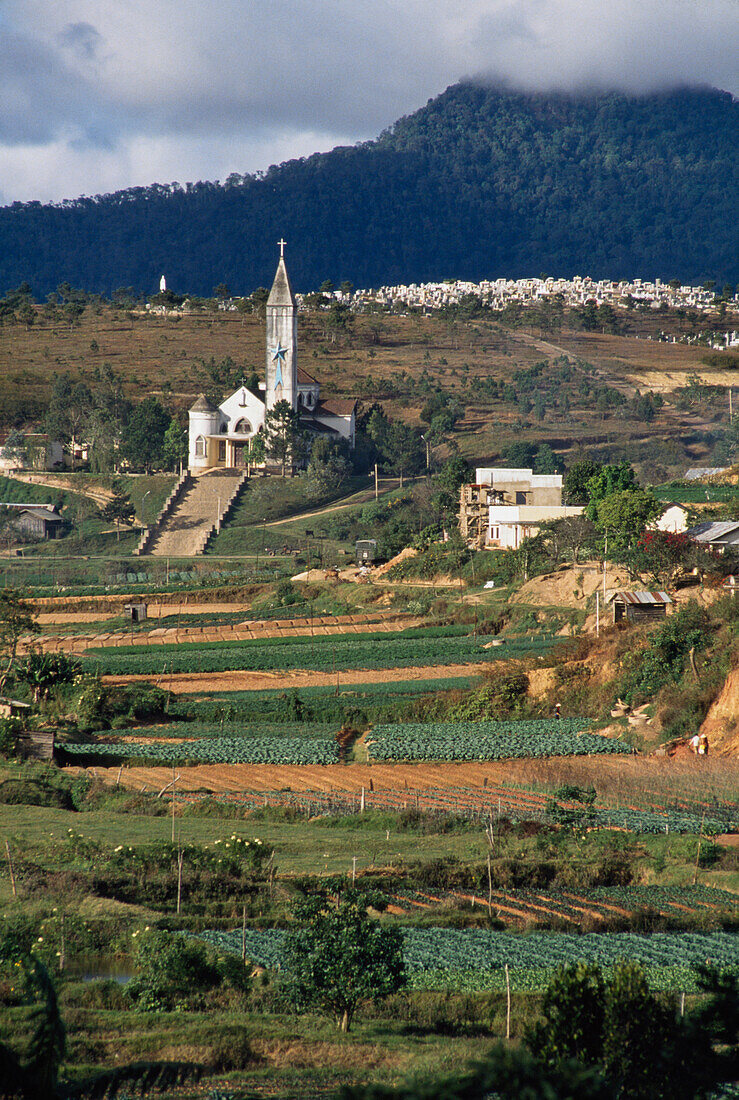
{"x": 215, "y": 750}
{"x": 413, "y": 647}
{"x": 474, "y": 959}
{"x": 429, "y": 741}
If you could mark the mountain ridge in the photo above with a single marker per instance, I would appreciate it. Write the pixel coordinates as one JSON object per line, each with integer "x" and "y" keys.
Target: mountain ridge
{"x": 481, "y": 182}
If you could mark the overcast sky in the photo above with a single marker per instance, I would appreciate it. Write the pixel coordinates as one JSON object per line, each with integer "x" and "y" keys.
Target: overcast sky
{"x": 96, "y": 95}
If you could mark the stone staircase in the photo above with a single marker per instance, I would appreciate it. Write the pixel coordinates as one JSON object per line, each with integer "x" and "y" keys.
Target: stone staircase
{"x": 194, "y": 512}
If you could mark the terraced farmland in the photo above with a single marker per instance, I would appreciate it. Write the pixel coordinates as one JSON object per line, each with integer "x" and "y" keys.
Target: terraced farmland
{"x": 522, "y": 907}
{"x": 433, "y": 647}
{"x": 474, "y": 959}
{"x": 427, "y": 741}
{"x": 213, "y": 750}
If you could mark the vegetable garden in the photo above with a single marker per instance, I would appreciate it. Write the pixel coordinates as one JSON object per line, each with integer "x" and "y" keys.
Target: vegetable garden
{"x": 413, "y": 647}
{"x": 474, "y": 959}
{"x": 427, "y": 741}
{"x": 213, "y": 750}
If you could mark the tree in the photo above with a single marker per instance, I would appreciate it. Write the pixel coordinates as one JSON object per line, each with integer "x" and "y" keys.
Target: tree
{"x": 577, "y": 478}
{"x": 328, "y": 469}
{"x": 45, "y": 671}
{"x": 609, "y": 479}
{"x": 15, "y": 448}
{"x": 17, "y": 617}
{"x": 340, "y": 957}
{"x": 119, "y": 510}
{"x": 644, "y": 1052}
{"x": 338, "y": 319}
{"x": 174, "y": 446}
{"x": 626, "y": 514}
{"x": 69, "y": 411}
{"x": 282, "y": 435}
{"x": 547, "y": 462}
{"x": 36, "y": 1076}
{"x": 142, "y": 441}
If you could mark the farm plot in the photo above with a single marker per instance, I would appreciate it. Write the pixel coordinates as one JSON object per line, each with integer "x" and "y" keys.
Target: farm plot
{"x": 196, "y": 731}
{"x": 214, "y": 750}
{"x": 339, "y": 653}
{"x": 314, "y": 704}
{"x": 427, "y": 741}
{"x": 474, "y": 959}
{"x": 523, "y": 906}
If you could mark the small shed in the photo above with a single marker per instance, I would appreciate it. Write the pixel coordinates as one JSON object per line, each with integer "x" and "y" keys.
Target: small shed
{"x": 638, "y": 607}
{"x": 136, "y": 612}
{"x": 366, "y": 551}
{"x": 40, "y": 521}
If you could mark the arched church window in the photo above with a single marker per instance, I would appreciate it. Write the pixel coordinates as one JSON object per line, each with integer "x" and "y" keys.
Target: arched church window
{"x": 242, "y": 427}
{"x": 200, "y": 447}
{"x": 223, "y": 429}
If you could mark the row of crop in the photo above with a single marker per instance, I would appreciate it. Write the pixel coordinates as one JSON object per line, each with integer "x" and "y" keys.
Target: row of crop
{"x": 216, "y": 750}
{"x": 315, "y": 704}
{"x": 451, "y": 741}
{"x": 340, "y": 653}
{"x": 476, "y": 958}
{"x": 195, "y": 731}
{"x": 453, "y": 630}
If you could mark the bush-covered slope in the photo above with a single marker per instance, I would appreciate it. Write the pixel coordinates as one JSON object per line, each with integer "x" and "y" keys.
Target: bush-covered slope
{"x": 481, "y": 182}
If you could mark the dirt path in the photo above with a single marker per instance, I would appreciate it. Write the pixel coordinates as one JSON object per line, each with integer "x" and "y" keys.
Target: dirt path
{"x": 187, "y": 683}
{"x": 100, "y": 495}
{"x": 362, "y": 496}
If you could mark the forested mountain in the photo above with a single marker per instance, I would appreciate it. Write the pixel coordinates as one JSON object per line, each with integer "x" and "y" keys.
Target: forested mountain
{"x": 482, "y": 182}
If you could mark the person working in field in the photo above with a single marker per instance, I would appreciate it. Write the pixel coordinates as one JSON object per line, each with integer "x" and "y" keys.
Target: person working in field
{"x": 703, "y": 745}
{"x": 695, "y": 742}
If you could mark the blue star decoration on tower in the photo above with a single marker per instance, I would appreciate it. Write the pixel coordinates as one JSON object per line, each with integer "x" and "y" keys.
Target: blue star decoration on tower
{"x": 278, "y": 354}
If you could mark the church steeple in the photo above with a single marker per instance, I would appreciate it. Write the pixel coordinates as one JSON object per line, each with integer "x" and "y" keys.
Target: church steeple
{"x": 282, "y": 339}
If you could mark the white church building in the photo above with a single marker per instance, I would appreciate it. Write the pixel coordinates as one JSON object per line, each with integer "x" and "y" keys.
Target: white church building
{"x": 222, "y": 437}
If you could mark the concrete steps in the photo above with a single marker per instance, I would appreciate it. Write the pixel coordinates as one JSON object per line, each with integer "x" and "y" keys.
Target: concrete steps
{"x": 198, "y": 513}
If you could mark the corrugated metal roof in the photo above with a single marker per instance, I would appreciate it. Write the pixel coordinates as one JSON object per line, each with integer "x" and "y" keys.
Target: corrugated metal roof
{"x": 639, "y": 598}
{"x": 712, "y": 531}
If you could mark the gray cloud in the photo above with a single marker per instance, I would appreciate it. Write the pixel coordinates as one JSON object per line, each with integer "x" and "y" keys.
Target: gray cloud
{"x": 98, "y": 94}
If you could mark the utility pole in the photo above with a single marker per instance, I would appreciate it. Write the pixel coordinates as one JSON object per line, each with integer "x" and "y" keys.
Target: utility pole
{"x": 376, "y": 485}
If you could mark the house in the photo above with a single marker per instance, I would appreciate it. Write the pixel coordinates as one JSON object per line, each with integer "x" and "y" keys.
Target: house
{"x": 29, "y": 451}
{"x": 223, "y": 436}
{"x": 505, "y": 506}
{"x": 638, "y": 607}
{"x": 509, "y": 525}
{"x": 673, "y": 521}
{"x": 718, "y": 534}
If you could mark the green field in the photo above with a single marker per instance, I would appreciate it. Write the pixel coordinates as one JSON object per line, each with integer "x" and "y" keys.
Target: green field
{"x": 405, "y": 649}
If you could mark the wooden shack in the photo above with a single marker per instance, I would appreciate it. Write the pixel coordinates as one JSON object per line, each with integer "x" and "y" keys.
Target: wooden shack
{"x": 39, "y": 521}
{"x": 638, "y": 606}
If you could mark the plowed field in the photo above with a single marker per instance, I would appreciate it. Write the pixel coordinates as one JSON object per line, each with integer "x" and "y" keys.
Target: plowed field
{"x": 187, "y": 683}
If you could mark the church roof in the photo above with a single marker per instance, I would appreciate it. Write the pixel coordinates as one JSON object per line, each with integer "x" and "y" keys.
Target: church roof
{"x": 202, "y": 405}
{"x": 305, "y": 379}
{"x": 335, "y": 406}
{"x": 281, "y": 293}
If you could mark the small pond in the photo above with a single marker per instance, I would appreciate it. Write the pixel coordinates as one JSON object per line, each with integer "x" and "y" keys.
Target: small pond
{"x": 94, "y": 968}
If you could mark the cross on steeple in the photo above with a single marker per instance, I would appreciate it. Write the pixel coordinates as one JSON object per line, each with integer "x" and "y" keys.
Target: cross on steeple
{"x": 282, "y": 244}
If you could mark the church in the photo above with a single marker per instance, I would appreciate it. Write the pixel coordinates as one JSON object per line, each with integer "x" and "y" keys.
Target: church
{"x": 222, "y": 437}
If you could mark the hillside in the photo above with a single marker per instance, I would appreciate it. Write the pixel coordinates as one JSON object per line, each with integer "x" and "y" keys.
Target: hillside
{"x": 574, "y": 390}
{"x": 479, "y": 183}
